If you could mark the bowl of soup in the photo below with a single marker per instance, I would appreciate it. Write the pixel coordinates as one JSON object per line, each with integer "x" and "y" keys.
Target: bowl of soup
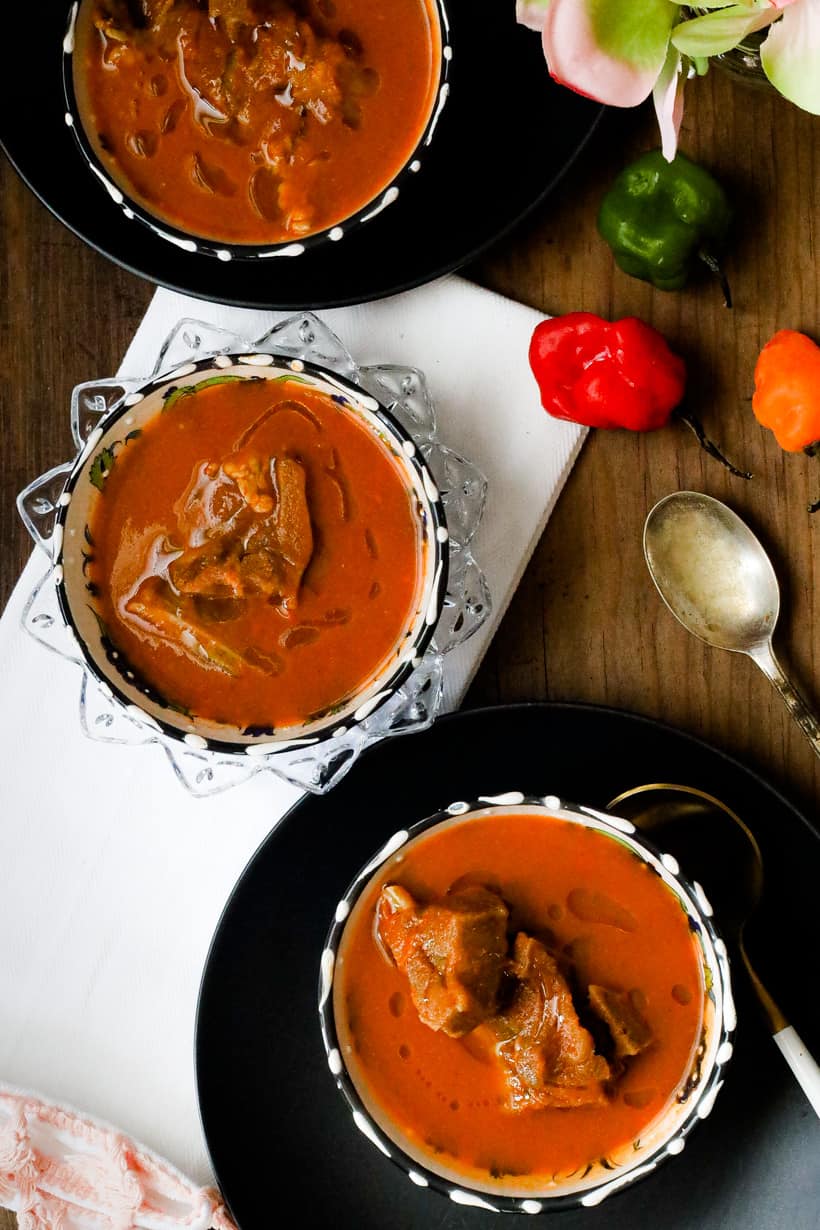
{"x": 525, "y": 1004}
{"x": 253, "y": 128}
{"x": 252, "y": 554}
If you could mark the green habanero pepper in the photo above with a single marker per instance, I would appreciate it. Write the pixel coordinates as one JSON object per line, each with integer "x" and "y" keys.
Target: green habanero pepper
{"x": 659, "y": 216}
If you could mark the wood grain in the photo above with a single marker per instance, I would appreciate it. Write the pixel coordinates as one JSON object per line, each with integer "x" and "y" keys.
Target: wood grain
{"x": 586, "y": 623}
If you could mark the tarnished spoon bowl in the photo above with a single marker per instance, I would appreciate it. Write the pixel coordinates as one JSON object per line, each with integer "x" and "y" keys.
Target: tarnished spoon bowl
{"x": 711, "y": 571}
{"x": 718, "y": 581}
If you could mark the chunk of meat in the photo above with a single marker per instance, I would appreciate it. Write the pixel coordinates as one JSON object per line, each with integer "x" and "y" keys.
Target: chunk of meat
{"x": 155, "y": 11}
{"x": 262, "y": 73}
{"x": 547, "y": 1057}
{"x": 236, "y": 61}
{"x": 278, "y": 548}
{"x": 119, "y": 19}
{"x": 210, "y": 571}
{"x": 234, "y": 15}
{"x": 629, "y": 1030}
{"x": 264, "y": 544}
{"x": 210, "y": 504}
{"x": 252, "y": 477}
{"x": 157, "y": 608}
{"x": 452, "y": 951}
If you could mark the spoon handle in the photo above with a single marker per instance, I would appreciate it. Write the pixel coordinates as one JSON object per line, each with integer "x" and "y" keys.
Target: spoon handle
{"x": 792, "y": 1048}
{"x": 805, "y": 717}
{"x": 801, "y": 1063}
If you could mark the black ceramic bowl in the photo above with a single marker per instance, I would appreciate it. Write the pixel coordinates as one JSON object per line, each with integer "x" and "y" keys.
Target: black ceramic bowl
{"x": 83, "y": 500}
{"x": 190, "y": 242}
{"x": 664, "y": 1137}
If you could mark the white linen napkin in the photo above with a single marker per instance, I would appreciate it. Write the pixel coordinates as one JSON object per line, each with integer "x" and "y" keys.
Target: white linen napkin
{"x": 113, "y": 879}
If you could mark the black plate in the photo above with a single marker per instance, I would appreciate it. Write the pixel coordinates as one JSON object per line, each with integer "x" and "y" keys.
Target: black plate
{"x": 277, "y": 1128}
{"x": 506, "y": 136}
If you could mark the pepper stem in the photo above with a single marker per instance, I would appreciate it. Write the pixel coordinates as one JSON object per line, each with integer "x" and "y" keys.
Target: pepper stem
{"x": 708, "y": 445}
{"x": 813, "y": 450}
{"x": 714, "y": 266}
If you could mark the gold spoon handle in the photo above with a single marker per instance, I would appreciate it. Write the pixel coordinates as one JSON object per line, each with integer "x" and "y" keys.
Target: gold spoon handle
{"x": 793, "y": 1049}
{"x": 777, "y": 1021}
{"x": 803, "y": 714}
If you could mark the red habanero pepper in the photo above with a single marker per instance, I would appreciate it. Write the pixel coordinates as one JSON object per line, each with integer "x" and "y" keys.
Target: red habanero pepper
{"x": 619, "y": 374}
{"x": 606, "y": 375}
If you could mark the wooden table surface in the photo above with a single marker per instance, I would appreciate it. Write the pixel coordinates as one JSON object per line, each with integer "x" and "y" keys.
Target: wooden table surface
{"x": 586, "y": 623}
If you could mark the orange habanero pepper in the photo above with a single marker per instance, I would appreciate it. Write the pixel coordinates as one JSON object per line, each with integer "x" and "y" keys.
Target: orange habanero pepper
{"x": 787, "y": 390}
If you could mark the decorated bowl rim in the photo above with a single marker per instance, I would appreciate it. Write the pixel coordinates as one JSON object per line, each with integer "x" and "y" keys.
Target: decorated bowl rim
{"x": 712, "y": 959}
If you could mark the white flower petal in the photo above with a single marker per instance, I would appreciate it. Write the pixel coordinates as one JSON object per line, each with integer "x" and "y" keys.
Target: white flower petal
{"x": 531, "y": 13}
{"x": 668, "y": 99}
{"x": 720, "y": 31}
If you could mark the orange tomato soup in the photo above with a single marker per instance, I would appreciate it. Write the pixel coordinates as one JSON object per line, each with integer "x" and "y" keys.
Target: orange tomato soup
{"x": 174, "y": 537}
{"x": 606, "y": 916}
{"x": 255, "y": 121}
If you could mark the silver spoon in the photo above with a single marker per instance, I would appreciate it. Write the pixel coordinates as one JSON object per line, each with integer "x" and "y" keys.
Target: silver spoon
{"x": 718, "y": 581}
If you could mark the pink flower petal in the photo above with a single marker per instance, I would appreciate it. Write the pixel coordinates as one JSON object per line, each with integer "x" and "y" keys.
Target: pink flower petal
{"x": 575, "y": 58}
